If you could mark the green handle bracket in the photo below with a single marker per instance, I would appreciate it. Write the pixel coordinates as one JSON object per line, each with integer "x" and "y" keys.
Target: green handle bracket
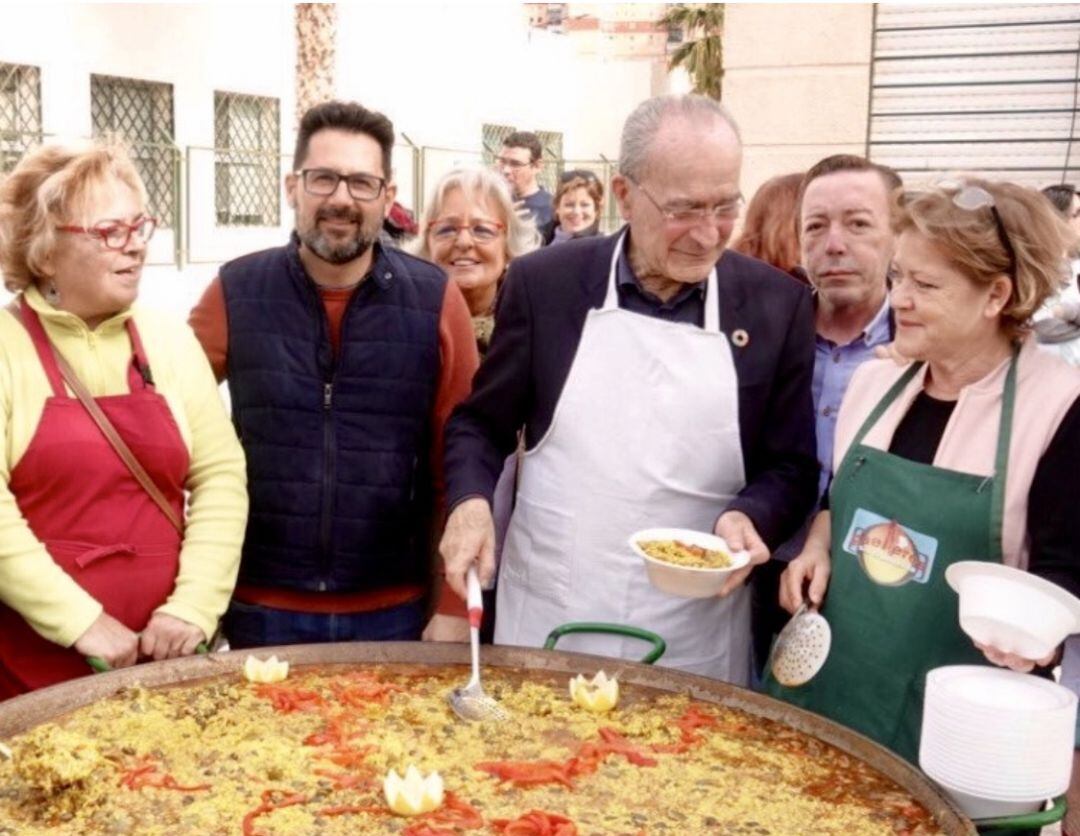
{"x": 1024, "y": 821}
{"x": 659, "y": 645}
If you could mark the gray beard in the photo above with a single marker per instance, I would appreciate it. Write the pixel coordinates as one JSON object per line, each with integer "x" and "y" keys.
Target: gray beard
{"x": 341, "y": 254}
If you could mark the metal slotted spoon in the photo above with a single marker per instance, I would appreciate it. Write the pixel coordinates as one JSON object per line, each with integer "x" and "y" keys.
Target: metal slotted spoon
{"x": 801, "y": 648}
{"x": 471, "y": 703}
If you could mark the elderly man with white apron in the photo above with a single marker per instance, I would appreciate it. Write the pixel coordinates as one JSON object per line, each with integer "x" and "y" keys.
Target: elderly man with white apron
{"x": 661, "y": 381}
{"x": 646, "y": 433}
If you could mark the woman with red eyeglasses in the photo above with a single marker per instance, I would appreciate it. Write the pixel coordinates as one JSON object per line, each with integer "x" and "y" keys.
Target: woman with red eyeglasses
{"x": 122, "y": 485}
{"x": 472, "y": 232}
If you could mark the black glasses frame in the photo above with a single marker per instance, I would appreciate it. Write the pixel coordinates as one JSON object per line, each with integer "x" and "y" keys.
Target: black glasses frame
{"x": 305, "y": 176}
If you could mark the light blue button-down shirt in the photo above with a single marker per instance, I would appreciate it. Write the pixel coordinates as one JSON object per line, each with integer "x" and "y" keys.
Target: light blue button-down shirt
{"x": 833, "y": 367}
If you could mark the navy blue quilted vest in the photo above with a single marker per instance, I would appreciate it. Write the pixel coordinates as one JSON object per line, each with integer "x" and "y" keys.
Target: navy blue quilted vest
{"x": 337, "y": 452}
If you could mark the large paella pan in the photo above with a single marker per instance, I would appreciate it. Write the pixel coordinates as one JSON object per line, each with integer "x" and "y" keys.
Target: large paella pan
{"x": 190, "y": 746}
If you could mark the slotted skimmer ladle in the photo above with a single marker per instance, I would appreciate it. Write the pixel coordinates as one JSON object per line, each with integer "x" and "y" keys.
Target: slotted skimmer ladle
{"x": 471, "y": 703}
{"x": 801, "y": 648}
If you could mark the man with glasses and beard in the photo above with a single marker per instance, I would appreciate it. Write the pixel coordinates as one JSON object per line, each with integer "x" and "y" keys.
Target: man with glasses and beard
{"x": 343, "y": 359}
{"x": 661, "y": 380}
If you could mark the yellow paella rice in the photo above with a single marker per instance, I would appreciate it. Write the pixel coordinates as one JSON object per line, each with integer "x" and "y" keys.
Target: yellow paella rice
{"x": 308, "y": 756}
{"x": 685, "y": 554}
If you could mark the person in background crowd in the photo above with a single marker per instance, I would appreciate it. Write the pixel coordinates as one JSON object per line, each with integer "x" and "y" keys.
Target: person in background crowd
{"x": 472, "y": 231}
{"x": 960, "y": 454}
{"x": 520, "y": 161}
{"x": 399, "y": 226}
{"x": 344, "y": 359}
{"x": 94, "y": 561}
{"x": 846, "y": 245}
{"x": 1057, "y": 323}
{"x": 578, "y": 203}
{"x": 771, "y": 226}
{"x": 659, "y": 380}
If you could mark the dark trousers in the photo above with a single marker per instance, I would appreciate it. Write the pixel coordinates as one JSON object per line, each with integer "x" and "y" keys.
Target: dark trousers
{"x": 251, "y": 625}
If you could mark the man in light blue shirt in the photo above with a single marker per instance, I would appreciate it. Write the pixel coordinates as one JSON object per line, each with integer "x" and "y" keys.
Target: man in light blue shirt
{"x": 846, "y": 244}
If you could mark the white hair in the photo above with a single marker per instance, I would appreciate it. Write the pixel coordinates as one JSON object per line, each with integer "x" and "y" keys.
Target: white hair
{"x": 644, "y": 123}
{"x": 521, "y": 233}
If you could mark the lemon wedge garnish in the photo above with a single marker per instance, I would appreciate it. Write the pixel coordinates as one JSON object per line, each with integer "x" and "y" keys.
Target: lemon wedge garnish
{"x": 598, "y": 694}
{"x": 414, "y": 794}
{"x": 270, "y": 670}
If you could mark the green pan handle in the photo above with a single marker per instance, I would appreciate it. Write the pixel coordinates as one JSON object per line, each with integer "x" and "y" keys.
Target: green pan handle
{"x": 659, "y": 645}
{"x": 1024, "y": 821}
{"x": 101, "y": 666}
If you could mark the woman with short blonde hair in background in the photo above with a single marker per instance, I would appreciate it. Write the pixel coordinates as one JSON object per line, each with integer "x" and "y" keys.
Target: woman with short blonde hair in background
{"x": 471, "y": 230}
{"x": 963, "y": 454}
{"x": 116, "y": 548}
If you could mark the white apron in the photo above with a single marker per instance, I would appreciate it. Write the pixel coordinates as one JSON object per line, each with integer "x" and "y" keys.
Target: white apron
{"x": 646, "y": 433}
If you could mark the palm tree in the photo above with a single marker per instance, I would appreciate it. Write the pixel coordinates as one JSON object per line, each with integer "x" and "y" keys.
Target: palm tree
{"x": 702, "y": 53}
{"x": 316, "y": 25}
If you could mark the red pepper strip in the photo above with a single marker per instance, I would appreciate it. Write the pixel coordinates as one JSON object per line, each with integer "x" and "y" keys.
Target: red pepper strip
{"x": 269, "y": 805}
{"x": 531, "y": 773}
{"x": 536, "y": 823}
{"x": 289, "y": 698}
{"x": 346, "y": 756}
{"x": 616, "y": 744}
{"x": 693, "y": 718}
{"x": 456, "y": 812}
{"x": 361, "y": 689}
{"x": 148, "y": 776}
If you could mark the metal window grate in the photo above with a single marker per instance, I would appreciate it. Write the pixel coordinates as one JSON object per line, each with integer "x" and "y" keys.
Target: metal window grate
{"x": 20, "y": 112}
{"x": 246, "y": 160}
{"x": 552, "y": 144}
{"x": 493, "y": 136}
{"x": 141, "y": 112}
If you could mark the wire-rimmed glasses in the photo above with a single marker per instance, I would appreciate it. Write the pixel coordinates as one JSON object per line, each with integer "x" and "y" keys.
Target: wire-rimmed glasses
{"x": 482, "y": 232}
{"x": 690, "y": 215}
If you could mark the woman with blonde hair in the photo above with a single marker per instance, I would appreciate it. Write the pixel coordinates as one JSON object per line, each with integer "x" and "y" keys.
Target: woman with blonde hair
{"x": 959, "y": 455}
{"x": 122, "y": 486}
{"x": 472, "y": 231}
{"x": 771, "y": 225}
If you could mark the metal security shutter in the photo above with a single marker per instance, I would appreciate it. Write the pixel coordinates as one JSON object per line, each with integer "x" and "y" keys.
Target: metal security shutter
{"x": 989, "y": 89}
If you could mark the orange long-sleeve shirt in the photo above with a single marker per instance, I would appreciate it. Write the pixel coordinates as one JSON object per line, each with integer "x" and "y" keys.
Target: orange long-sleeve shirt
{"x": 459, "y": 361}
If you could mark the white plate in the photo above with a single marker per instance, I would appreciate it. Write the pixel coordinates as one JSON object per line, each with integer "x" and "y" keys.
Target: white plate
{"x": 686, "y": 581}
{"x": 1011, "y": 609}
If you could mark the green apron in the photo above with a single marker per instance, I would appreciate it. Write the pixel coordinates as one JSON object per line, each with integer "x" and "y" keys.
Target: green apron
{"x": 896, "y": 526}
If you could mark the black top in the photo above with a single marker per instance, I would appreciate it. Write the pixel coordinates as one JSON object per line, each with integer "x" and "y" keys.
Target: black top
{"x": 1052, "y": 525}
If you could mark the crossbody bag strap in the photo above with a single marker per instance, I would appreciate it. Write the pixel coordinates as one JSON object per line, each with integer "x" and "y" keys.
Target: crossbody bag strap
{"x": 118, "y": 443}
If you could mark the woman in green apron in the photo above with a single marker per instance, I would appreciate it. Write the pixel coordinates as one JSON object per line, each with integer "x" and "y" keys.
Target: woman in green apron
{"x": 965, "y": 454}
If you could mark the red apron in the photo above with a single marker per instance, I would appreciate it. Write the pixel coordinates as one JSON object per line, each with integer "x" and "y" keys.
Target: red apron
{"x": 94, "y": 518}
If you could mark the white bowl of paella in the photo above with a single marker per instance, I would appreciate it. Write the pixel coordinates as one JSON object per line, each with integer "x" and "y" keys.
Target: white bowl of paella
{"x": 691, "y": 564}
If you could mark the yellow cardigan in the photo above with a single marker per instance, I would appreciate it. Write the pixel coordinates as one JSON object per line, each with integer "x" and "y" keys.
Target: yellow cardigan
{"x": 30, "y": 581}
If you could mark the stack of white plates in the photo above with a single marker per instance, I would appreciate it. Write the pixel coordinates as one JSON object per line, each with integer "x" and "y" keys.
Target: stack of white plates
{"x": 999, "y": 742}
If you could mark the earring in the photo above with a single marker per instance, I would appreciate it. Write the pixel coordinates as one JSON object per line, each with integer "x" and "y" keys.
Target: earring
{"x": 52, "y": 295}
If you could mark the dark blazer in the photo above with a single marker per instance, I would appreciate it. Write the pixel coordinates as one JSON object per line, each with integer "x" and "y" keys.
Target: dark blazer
{"x": 539, "y": 319}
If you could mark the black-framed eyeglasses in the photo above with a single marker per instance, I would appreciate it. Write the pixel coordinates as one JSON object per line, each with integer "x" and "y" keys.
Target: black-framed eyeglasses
{"x": 690, "y": 215}
{"x": 323, "y": 182}
{"x": 973, "y": 198}
{"x": 116, "y": 235}
{"x": 506, "y": 162}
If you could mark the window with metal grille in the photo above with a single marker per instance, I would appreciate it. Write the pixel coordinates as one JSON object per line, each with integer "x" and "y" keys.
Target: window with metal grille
{"x": 247, "y": 155}
{"x": 141, "y": 112}
{"x": 552, "y": 144}
{"x": 20, "y": 112}
{"x": 493, "y": 136}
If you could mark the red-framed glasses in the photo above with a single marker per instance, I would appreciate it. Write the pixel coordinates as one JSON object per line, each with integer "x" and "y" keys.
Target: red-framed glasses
{"x": 116, "y": 235}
